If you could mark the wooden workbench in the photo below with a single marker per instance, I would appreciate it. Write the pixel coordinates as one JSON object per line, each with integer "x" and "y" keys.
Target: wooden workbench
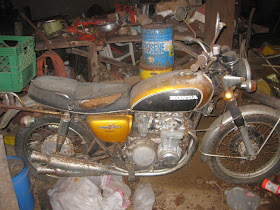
{"x": 93, "y": 57}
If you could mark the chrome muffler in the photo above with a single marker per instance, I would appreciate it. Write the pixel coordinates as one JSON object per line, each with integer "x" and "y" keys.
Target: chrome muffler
{"x": 72, "y": 165}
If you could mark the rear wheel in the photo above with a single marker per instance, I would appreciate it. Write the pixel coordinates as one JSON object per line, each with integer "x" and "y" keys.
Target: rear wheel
{"x": 41, "y": 137}
{"x": 228, "y": 142}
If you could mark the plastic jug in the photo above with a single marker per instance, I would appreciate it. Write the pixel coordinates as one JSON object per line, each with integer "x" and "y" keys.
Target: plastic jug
{"x": 242, "y": 199}
{"x": 144, "y": 197}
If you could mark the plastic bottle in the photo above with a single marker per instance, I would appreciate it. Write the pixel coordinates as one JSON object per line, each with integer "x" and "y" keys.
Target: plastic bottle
{"x": 144, "y": 197}
{"x": 242, "y": 199}
{"x": 67, "y": 69}
{"x": 270, "y": 186}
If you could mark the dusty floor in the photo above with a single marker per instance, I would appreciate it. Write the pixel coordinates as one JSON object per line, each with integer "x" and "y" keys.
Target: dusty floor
{"x": 192, "y": 187}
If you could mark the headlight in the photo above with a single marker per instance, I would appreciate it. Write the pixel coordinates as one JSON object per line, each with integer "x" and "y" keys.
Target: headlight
{"x": 242, "y": 69}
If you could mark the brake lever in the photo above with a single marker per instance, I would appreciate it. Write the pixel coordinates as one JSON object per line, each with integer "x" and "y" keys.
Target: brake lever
{"x": 190, "y": 40}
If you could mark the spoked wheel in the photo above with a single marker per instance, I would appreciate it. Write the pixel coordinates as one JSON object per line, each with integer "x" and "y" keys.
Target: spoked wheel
{"x": 229, "y": 143}
{"x": 41, "y": 137}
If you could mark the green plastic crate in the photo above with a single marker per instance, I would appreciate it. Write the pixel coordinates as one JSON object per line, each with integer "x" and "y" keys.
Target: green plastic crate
{"x": 17, "y": 62}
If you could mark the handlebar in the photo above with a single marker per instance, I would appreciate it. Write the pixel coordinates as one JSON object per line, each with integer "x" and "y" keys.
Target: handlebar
{"x": 201, "y": 60}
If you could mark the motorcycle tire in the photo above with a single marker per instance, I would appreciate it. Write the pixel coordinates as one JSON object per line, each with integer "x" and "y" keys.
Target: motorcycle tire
{"x": 229, "y": 143}
{"x": 46, "y": 127}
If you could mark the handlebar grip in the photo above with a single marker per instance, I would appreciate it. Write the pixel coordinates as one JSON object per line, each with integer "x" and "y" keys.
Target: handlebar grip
{"x": 202, "y": 59}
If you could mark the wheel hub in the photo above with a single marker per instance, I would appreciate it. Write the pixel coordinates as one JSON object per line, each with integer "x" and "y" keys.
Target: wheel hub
{"x": 49, "y": 146}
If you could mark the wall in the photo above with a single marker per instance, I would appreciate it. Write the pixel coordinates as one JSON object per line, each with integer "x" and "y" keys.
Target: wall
{"x": 48, "y": 8}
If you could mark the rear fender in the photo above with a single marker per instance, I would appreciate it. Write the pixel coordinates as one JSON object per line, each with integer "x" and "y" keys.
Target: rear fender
{"x": 11, "y": 113}
{"x": 215, "y": 127}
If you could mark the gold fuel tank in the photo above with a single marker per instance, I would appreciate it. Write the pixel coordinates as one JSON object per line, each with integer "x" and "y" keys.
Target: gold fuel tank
{"x": 180, "y": 90}
{"x": 113, "y": 128}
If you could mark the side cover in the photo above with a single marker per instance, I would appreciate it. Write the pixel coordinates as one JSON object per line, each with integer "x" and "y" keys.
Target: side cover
{"x": 111, "y": 128}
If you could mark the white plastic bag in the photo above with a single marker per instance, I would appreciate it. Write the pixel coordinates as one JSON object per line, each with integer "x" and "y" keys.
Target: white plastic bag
{"x": 96, "y": 192}
{"x": 144, "y": 197}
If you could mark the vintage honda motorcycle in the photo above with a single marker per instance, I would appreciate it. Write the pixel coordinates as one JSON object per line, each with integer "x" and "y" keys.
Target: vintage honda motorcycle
{"x": 84, "y": 129}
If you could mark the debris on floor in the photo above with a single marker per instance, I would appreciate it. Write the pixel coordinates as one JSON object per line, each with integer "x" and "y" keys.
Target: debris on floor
{"x": 98, "y": 192}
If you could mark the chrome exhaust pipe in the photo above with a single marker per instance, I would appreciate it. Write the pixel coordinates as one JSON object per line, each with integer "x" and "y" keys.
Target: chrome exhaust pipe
{"x": 68, "y": 166}
{"x": 74, "y": 165}
{"x": 59, "y": 172}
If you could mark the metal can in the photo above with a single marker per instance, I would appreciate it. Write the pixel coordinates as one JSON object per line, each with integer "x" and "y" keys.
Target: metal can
{"x": 147, "y": 71}
{"x": 157, "y": 46}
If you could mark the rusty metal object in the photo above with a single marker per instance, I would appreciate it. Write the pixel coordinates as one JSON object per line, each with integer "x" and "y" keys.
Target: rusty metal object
{"x": 6, "y": 104}
{"x": 37, "y": 30}
{"x": 58, "y": 172}
{"x": 69, "y": 166}
{"x": 62, "y": 131}
{"x": 110, "y": 28}
{"x": 147, "y": 71}
{"x": 74, "y": 164}
{"x": 31, "y": 110}
{"x": 27, "y": 121}
{"x": 7, "y": 97}
{"x": 99, "y": 102}
{"x": 157, "y": 47}
{"x": 189, "y": 26}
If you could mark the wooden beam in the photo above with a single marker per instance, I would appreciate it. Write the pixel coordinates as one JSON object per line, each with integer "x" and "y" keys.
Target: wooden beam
{"x": 106, "y": 59}
{"x": 79, "y": 52}
{"x": 137, "y": 38}
{"x": 275, "y": 66}
{"x": 186, "y": 49}
{"x": 61, "y": 43}
{"x": 93, "y": 68}
{"x": 8, "y": 199}
{"x": 114, "y": 39}
{"x": 117, "y": 63}
{"x": 180, "y": 61}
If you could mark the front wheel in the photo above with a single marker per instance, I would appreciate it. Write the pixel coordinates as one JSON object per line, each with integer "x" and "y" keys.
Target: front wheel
{"x": 41, "y": 137}
{"x": 228, "y": 143}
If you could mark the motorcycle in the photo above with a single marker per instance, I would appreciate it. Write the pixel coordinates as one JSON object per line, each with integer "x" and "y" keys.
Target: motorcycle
{"x": 84, "y": 129}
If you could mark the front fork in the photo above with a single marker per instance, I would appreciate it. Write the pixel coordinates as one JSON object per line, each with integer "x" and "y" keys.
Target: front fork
{"x": 243, "y": 129}
{"x": 62, "y": 131}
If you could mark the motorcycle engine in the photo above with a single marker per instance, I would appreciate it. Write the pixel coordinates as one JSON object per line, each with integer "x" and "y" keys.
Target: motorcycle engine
{"x": 159, "y": 144}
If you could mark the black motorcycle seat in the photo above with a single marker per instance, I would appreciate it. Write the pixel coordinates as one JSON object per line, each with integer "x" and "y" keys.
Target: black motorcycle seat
{"x": 69, "y": 94}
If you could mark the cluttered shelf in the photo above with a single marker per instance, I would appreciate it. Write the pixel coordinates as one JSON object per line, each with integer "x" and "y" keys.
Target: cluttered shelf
{"x": 59, "y": 43}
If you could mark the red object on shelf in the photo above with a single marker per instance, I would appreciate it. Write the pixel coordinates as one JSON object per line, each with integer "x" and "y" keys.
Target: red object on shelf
{"x": 84, "y": 36}
{"x": 90, "y": 23}
{"x": 81, "y": 36}
{"x": 129, "y": 9}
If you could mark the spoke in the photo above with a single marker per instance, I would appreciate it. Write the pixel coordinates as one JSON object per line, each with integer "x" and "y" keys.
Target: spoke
{"x": 229, "y": 145}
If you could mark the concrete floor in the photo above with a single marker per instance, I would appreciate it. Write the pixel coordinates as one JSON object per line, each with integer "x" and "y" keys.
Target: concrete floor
{"x": 192, "y": 187}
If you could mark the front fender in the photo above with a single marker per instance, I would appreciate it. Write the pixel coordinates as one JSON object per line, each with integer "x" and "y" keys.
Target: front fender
{"x": 226, "y": 118}
{"x": 11, "y": 113}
